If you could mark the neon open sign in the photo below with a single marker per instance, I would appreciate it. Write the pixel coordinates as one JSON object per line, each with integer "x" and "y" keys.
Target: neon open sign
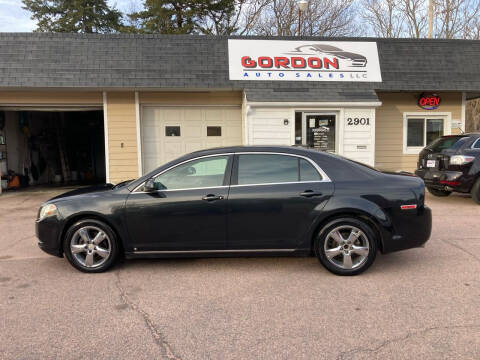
{"x": 429, "y": 101}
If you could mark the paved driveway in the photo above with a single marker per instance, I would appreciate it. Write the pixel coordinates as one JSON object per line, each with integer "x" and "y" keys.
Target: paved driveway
{"x": 420, "y": 303}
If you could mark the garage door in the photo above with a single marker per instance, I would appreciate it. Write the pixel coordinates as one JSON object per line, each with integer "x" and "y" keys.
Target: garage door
{"x": 169, "y": 132}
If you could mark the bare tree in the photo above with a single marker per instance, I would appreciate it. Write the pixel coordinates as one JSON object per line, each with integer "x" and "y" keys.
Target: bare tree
{"x": 456, "y": 18}
{"x": 472, "y": 30}
{"x": 247, "y": 17}
{"x": 385, "y": 17}
{"x": 416, "y": 17}
{"x": 281, "y": 18}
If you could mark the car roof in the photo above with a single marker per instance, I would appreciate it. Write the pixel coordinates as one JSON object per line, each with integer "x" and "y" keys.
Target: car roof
{"x": 296, "y": 150}
{"x": 330, "y": 160}
{"x": 474, "y": 134}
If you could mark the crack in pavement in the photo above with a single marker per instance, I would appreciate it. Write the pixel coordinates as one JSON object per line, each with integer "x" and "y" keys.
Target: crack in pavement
{"x": 159, "y": 338}
{"x": 461, "y": 249}
{"x": 348, "y": 354}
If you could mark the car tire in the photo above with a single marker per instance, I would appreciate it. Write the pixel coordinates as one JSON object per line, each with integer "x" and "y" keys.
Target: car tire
{"x": 476, "y": 191}
{"x": 352, "y": 252}
{"x": 437, "y": 192}
{"x": 91, "y": 246}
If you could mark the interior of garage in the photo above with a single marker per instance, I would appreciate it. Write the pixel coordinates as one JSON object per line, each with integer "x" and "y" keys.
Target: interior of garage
{"x": 51, "y": 147}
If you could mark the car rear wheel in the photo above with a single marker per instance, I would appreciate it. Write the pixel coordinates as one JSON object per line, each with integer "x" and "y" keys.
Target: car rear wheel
{"x": 438, "y": 192}
{"x": 346, "y": 246}
{"x": 476, "y": 191}
{"x": 90, "y": 246}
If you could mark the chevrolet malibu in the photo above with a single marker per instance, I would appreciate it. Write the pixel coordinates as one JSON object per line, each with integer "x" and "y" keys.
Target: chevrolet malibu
{"x": 248, "y": 201}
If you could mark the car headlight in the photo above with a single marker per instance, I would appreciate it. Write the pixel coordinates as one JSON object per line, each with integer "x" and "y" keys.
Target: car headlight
{"x": 47, "y": 211}
{"x": 461, "y": 159}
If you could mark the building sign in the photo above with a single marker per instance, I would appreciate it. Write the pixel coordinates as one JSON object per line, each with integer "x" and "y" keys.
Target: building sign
{"x": 429, "y": 101}
{"x": 303, "y": 60}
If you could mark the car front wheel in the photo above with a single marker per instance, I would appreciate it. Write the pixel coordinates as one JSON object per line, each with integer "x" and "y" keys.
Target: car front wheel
{"x": 90, "y": 246}
{"x": 346, "y": 246}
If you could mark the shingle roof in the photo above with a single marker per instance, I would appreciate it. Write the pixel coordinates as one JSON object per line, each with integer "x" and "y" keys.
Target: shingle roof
{"x": 43, "y": 60}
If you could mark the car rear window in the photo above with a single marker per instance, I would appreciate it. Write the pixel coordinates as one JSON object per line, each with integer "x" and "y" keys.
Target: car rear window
{"x": 447, "y": 142}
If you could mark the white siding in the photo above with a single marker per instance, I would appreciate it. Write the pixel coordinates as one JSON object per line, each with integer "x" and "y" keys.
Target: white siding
{"x": 359, "y": 140}
{"x": 266, "y": 126}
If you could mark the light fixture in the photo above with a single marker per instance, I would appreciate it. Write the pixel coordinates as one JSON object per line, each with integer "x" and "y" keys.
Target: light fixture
{"x": 302, "y": 5}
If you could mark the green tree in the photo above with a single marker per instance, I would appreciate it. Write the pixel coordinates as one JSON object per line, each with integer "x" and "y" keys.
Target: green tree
{"x": 84, "y": 16}
{"x": 185, "y": 17}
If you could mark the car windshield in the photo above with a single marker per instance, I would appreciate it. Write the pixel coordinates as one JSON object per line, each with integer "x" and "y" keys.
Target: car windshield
{"x": 447, "y": 142}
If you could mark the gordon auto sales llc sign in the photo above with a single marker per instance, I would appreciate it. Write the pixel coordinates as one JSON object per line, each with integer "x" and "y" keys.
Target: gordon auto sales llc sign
{"x": 303, "y": 60}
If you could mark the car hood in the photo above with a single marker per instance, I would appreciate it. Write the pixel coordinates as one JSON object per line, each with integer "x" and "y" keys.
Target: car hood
{"x": 84, "y": 191}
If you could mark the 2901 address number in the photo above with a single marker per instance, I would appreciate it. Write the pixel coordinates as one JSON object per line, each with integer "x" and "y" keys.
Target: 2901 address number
{"x": 358, "y": 121}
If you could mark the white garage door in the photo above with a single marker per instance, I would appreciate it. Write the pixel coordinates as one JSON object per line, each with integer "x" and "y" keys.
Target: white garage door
{"x": 169, "y": 132}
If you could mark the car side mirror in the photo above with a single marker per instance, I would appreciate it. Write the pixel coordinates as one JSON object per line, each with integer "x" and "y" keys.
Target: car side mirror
{"x": 149, "y": 185}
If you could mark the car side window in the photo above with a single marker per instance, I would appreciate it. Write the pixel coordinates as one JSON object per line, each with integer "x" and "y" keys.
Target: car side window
{"x": 272, "y": 168}
{"x": 308, "y": 172}
{"x": 477, "y": 144}
{"x": 205, "y": 172}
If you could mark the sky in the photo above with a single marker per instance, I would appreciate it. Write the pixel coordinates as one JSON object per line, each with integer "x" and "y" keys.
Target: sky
{"x": 14, "y": 19}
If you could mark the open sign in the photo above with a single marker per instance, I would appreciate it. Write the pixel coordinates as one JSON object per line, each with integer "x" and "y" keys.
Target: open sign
{"x": 429, "y": 101}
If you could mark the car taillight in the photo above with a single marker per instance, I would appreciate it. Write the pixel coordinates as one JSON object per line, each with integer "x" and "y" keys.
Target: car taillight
{"x": 461, "y": 159}
{"x": 408, "y": 207}
{"x": 449, "y": 183}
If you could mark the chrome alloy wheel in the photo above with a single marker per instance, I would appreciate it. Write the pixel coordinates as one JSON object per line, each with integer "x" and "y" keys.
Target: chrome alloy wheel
{"x": 90, "y": 246}
{"x": 347, "y": 247}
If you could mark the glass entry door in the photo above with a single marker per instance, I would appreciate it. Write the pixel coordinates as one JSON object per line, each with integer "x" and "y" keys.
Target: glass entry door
{"x": 318, "y": 131}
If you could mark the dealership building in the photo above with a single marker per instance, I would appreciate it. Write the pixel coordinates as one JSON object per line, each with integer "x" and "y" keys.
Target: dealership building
{"x": 113, "y": 107}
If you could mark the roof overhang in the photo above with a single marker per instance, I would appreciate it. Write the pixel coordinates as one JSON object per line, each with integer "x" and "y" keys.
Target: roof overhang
{"x": 329, "y": 104}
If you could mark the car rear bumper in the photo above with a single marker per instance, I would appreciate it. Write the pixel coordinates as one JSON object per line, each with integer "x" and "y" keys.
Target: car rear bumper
{"x": 445, "y": 179}
{"x": 413, "y": 231}
{"x": 48, "y": 234}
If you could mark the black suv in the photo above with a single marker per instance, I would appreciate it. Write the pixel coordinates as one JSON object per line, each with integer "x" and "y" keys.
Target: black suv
{"x": 451, "y": 163}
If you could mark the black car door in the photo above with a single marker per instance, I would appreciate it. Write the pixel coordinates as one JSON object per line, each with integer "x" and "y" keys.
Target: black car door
{"x": 274, "y": 200}
{"x": 186, "y": 212}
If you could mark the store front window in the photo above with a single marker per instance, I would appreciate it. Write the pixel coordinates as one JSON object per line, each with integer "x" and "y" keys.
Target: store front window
{"x": 421, "y": 131}
{"x": 316, "y": 130}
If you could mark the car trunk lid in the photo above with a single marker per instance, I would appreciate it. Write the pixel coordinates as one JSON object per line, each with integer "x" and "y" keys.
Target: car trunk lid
{"x": 434, "y": 161}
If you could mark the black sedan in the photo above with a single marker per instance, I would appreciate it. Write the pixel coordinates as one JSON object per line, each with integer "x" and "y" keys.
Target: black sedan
{"x": 251, "y": 201}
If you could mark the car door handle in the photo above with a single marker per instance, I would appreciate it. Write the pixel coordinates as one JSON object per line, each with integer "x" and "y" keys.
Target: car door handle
{"x": 310, "y": 193}
{"x": 212, "y": 197}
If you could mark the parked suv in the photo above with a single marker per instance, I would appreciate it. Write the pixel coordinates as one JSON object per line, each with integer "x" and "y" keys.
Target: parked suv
{"x": 451, "y": 163}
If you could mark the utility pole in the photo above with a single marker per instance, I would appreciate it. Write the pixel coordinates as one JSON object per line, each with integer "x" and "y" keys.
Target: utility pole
{"x": 430, "y": 19}
{"x": 299, "y": 21}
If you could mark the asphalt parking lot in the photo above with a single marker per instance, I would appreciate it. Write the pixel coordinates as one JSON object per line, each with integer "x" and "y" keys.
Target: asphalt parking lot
{"x": 415, "y": 304}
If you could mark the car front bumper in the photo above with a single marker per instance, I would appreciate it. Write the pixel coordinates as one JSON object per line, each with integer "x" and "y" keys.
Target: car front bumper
{"x": 48, "y": 233}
